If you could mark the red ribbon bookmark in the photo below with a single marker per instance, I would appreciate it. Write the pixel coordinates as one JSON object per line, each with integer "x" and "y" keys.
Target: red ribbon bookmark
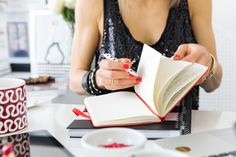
{"x": 77, "y": 112}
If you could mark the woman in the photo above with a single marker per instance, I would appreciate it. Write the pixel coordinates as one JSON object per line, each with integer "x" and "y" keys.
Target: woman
{"x": 179, "y": 28}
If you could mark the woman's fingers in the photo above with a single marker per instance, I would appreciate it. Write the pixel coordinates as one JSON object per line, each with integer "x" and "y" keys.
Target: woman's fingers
{"x": 123, "y": 64}
{"x": 114, "y": 74}
{"x": 111, "y": 87}
{"x": 193, "y": 53}
{"x": 124, "y": 60}
{"x": 190, "y": 58}
{"x": 115, "y": 84}
{"x": 196, "y": 54}
{"x": 181, "y": 52}
{"x": 121, "y": 82}
{"x": 116, "y": 79}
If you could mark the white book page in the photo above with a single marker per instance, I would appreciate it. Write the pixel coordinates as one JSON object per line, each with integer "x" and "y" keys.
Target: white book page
{"x": 147, "y": 70}
{"x": 155, "y": 70}
{"x": 185, "y": 80}
{"x": 168, "y": 70}
{"x": 121, "y": 107}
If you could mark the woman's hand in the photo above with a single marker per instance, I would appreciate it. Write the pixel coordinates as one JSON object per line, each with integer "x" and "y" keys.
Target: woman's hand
{"x": 196, "y": 54}
{"x": 112, "y": 75}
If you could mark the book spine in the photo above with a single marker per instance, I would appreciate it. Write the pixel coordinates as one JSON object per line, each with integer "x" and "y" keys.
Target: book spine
{"x": 185, "y": 117}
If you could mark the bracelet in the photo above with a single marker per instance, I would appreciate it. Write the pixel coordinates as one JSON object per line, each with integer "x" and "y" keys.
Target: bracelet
{"x": 92, "y": 91}
{"x": 92, "y": 81}
{"x": 93, "y": 88}
{"x": 85, "y": 83}
{"x": 212, "y": 70}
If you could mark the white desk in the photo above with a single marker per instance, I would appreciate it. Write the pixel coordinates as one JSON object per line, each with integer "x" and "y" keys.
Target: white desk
{"x": 56, "y": 117}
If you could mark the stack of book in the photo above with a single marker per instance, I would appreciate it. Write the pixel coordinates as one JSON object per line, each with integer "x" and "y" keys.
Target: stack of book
{"x": 176, "y": 123}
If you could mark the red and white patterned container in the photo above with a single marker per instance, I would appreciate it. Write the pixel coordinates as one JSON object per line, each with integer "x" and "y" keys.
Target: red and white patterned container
{"x": 13, "y": 115}
{"x": 19, "y": 142}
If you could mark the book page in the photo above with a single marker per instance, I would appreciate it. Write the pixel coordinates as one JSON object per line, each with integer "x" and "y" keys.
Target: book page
{"x": 179, "y": 85}
{"x": 168, "y": 70}
{"x": 118, "y": 108}
{"x": 147, "y": 70}
{"x": 156, "y": 71}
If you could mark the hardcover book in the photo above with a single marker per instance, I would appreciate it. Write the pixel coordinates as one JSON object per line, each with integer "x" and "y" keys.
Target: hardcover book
{"x": 177, "y": 122}
{"x": 164, "y": 83}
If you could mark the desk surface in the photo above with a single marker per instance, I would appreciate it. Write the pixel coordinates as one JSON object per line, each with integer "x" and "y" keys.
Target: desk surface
{"x": 56, "y": 117}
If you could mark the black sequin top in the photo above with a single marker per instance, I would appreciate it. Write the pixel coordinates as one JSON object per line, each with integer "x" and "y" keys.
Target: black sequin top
{"x": 118, "y": 41}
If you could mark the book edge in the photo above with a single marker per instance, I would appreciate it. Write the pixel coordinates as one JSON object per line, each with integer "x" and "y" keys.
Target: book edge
{"x": 190, "y": 88}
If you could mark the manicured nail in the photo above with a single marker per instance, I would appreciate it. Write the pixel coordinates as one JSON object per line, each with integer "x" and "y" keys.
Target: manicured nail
{"x": 126, "y": 66}
{"x": 131, "y": 76}
{"x": 139, "y": 79}
{"x": 177, "y": 57}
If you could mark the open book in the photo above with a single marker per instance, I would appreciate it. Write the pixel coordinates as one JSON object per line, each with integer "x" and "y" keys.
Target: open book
{"x": 164, "y": 83}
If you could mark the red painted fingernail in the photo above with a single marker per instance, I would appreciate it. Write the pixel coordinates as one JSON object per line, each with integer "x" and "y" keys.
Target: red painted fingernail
{"x": 177, "y": 56}
{"x": 126, "y": 66}
{"x": 139, "y": 79}
{"x": 132, "y": 76}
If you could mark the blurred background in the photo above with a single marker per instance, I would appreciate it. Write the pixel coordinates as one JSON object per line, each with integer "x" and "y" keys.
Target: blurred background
{"x": 36, "y": 39}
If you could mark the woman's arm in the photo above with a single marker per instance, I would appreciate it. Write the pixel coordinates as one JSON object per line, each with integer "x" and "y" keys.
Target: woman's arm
{"x": 201, "y": 15}
{"x": 111, "y": 75}
{"x": 201, "y": 19}
{"x": 85, "y": 41}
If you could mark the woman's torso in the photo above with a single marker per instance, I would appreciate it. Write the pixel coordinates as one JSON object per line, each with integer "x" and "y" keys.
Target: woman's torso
{"x": 117, "y": 40}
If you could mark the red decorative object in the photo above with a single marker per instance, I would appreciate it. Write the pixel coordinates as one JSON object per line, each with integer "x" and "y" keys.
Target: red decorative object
{"x": 18, "y": 145}
{"x": 12, "y": 110}
{"x": 8, "y": 149}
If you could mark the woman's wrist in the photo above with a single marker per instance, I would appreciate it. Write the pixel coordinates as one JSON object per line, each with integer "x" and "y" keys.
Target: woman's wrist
{"x": 212, "y": 69}
{"x": 84, "y": 82}
{"x": 89, "y": 83}
{"x": 95, "y": 90}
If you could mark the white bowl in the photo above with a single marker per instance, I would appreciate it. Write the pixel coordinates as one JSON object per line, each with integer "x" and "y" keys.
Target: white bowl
{"x": 156, "y": 153}
{"x": 93, "y": 142}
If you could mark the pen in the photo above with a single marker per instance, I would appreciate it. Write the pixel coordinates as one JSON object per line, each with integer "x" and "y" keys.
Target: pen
{"x": 130, "y": 71}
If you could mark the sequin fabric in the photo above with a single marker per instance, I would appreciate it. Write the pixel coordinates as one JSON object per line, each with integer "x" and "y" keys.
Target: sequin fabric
{"x": 118, "y": 41}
